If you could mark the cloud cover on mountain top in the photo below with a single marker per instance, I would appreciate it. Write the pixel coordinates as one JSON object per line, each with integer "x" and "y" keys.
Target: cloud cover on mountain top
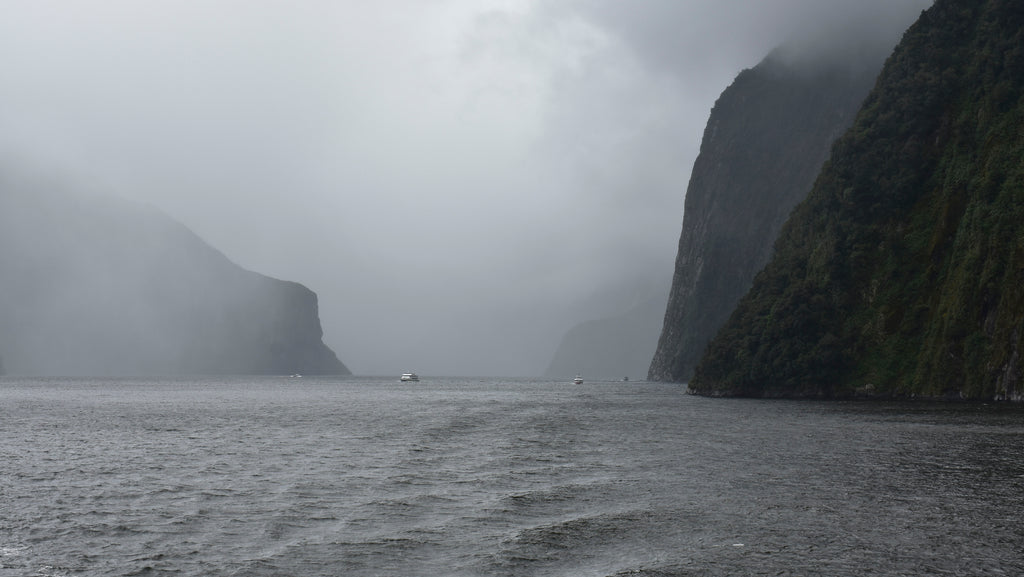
{"x": 460, "y": 181}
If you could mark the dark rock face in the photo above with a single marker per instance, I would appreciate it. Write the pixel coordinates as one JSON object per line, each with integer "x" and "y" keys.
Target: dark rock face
{"x": 100, "y": 286}
{"x": 767, "y": 137}
{"x": 902, "y": 274}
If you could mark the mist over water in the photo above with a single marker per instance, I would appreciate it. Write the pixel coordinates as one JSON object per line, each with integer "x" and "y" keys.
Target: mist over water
{"x": 460, "y": 181}
{"x": 467, "y": 477}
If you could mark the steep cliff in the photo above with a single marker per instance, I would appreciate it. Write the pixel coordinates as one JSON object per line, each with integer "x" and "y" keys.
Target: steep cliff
{"x": 100, "y": 286}
{"x": 902, "y": 274}
{"x": 765, "y": 141}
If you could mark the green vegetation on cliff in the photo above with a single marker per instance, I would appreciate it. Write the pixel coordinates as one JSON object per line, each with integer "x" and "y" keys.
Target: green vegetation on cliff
{"x": 766, "y": 140}
{"x": 902, "y": 274}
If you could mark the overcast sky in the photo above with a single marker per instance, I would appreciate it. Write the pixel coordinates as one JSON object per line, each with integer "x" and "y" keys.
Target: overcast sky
{"x": 460, "y": 181}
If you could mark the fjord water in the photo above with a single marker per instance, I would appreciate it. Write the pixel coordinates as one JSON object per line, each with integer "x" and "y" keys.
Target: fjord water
{"x": 355, "y": 476}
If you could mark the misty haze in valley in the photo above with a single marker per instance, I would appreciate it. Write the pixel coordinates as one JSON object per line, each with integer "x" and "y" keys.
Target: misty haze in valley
{"x": 460, "y": 183}
{"x": 97, "y": 285}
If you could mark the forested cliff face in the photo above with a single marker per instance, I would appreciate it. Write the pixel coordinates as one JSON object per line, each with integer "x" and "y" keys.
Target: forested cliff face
{"x": 100, "y": 286}
{"x": 767, "y": 137}
{"x": 902, "y": 274}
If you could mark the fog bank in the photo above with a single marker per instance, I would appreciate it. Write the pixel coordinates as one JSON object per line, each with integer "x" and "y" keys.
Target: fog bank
{"x": 459, "y": 181}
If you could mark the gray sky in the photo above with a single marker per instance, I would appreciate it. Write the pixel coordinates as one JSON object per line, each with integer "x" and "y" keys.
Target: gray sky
{"x": 460, "y": 181}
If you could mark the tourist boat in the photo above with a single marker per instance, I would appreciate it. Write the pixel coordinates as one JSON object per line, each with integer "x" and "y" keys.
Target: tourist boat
{"x": 409, "y": 377}
{"x": 578, "y": 380}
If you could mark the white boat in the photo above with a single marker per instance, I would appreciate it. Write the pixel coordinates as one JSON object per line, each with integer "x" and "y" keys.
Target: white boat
{"x": 578, "y": 380}
{"x": 409, "y": 377}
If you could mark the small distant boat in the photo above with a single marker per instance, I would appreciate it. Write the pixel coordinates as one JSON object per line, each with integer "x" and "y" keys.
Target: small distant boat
{"x": 578, "y": 380}
{"x": 406, "y": 377}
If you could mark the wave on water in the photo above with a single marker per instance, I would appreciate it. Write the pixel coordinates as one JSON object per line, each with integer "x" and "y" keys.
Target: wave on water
{"x": 324, "y": 477}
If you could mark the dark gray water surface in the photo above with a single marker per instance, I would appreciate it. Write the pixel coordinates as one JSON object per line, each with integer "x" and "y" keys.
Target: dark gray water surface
{"x": 275, "y": 476}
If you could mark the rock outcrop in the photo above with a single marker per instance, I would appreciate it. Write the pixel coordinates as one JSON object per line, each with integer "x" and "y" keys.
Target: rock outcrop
{"x": 101, "y": 286}
{"x": 766, "y": 139}
{"x": 902, "y": 274}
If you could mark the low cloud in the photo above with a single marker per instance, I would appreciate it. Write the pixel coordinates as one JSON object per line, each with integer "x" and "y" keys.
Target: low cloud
{"x": 459, "y": 181}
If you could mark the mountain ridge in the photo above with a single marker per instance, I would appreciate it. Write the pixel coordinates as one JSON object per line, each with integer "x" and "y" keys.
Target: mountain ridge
{"x": 765, "y": 141}
{"x": 900, "y": 274}
{"x": 96, "y": 285}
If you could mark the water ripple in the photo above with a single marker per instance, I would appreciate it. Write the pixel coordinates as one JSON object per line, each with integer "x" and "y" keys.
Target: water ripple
{"x": 477, "y": 477}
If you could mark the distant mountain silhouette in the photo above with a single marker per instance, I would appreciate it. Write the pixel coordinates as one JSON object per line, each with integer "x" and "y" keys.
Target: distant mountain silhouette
{"x": 102, "y": 286}
{"x": 611, "y": 348}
